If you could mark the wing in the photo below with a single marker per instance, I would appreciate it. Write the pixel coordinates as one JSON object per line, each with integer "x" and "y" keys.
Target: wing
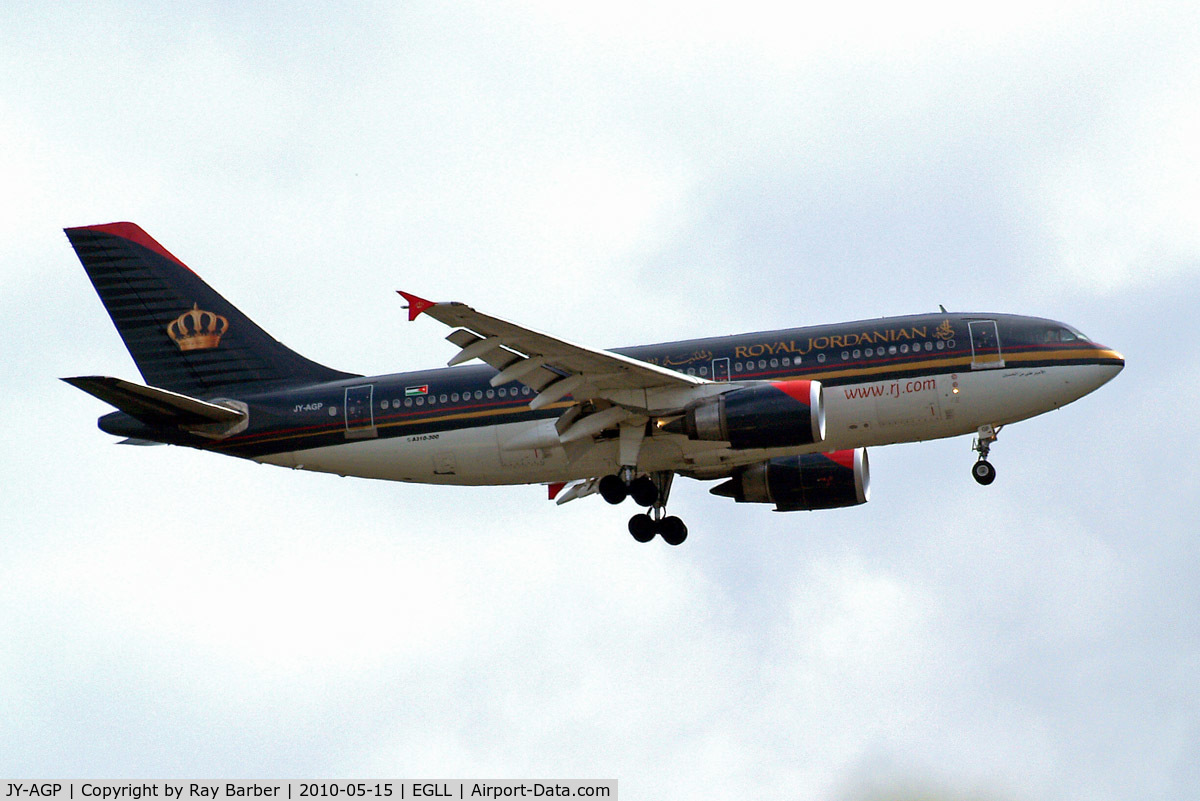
{"x": 555, "y": 368}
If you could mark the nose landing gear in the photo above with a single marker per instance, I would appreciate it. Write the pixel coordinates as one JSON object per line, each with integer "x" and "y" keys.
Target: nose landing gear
{"x": 651, "y": 491}
{"x": 982, "y": 471}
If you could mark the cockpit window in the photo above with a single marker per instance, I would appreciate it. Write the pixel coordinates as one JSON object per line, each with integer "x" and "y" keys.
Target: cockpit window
{"x": 1062, "y": 334}
{"x": 1073, "y": 335}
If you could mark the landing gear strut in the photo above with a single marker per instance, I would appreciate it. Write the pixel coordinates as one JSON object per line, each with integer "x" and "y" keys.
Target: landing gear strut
{"x": 982, "y": 471}
{"x": 651, "y": 491}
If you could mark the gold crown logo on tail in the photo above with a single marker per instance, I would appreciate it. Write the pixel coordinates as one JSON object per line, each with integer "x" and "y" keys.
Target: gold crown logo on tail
{"x": 197, "y": 329}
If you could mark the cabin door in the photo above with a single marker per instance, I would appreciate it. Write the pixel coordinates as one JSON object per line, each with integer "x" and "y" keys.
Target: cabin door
{"x": 360, "y": 417}
{"x": 985, "y": 345}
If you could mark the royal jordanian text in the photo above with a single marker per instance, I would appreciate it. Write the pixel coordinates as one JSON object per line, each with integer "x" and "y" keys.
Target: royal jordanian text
{"x": 391, "y": 790}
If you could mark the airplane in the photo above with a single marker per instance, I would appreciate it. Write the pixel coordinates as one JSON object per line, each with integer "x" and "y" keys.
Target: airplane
{"x": 779, "y": 417}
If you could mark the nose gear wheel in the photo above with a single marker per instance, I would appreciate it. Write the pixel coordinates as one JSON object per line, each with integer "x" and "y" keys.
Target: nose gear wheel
{"x": 983, "y": 472}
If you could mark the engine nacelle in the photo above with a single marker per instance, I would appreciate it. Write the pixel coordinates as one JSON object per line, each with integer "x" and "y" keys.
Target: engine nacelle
{"x": 806, "y": 482}
{"x": 778, "y": 414}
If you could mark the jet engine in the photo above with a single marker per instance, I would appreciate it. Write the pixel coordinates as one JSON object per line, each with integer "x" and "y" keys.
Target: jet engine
{"x": 806, "y": 482}
{"x": 778, "y": 414}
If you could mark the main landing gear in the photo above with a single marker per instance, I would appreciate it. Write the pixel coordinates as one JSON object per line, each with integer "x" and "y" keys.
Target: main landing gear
{"x": 650, "y": 491}
{"x": 982, "y": 471}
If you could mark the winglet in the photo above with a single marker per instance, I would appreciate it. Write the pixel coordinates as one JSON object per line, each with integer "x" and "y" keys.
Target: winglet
{"x": 415, "y": 305}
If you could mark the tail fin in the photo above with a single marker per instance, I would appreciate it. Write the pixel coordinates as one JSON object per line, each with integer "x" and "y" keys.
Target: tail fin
{"x": 182, "y": 335}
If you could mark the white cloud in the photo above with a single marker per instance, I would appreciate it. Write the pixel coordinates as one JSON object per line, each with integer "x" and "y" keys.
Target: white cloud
{"x": 1124, "y": 208}
{"x": 613, "y": 174}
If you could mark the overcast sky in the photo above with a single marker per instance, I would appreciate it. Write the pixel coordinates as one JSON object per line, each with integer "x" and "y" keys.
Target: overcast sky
{"x": 616, "y": 174}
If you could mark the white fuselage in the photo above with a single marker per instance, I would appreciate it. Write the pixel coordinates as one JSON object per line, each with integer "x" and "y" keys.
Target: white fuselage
{"x": 859, "y": 414}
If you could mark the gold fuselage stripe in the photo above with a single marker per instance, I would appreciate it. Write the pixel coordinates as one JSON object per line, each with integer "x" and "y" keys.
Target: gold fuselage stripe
{"x": 943, "y": 364}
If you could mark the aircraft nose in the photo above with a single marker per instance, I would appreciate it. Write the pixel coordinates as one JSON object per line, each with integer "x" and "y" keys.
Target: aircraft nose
{"x": 1110, "y": 361}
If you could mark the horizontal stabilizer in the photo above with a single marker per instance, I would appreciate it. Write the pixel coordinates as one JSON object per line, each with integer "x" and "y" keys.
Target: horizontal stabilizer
{"x": 153, "y": 405}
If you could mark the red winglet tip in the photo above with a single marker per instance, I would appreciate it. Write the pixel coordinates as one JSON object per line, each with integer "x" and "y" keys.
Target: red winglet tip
{"x": 415, "y": 305}
{"x": 556, "y": 488}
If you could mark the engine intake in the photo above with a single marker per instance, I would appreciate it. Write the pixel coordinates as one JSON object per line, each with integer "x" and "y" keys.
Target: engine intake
{"x": 803, "y": 483}
{"x": 778, "y": 414}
